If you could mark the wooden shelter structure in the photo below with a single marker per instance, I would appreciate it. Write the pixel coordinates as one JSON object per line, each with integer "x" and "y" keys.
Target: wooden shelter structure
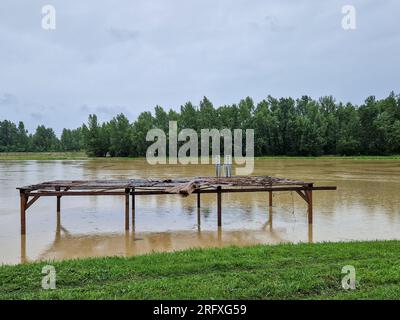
{"x": 131, "y": 188}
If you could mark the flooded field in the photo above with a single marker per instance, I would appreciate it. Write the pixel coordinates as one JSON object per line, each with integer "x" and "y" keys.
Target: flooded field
{"x": 366, "y": 206}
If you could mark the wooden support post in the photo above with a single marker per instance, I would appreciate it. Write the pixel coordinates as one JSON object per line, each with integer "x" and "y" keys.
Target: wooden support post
{"x": 198, "y": 211}
{"x": 126, "y": 209}
{"x": 58, "y": 201}
{"x": 198, "y": 219}
{"x": 127, "y": 243}
{"x": 23, "y": 201}
{"x": 23, "y": 249}
{"x": 270, "y": 218}
{"x": 270, "y": 198}
{"x": 58, "y": 228}
{"x": 310, "y": 204}
{"x": 310, "y": 233}
{"x": 133, "y": 209}
{"x": 219, "y": 206}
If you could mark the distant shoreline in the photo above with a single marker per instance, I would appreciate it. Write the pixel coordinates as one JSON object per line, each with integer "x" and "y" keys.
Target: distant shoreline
{"x": 12, "y": 156}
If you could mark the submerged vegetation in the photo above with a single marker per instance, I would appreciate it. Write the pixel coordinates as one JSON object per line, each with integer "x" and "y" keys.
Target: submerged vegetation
{"x": 73, "y": 155}
{"x": 284, "y": 127}
{"x": 80, "y": 155}
{"x": 286, "y": 271}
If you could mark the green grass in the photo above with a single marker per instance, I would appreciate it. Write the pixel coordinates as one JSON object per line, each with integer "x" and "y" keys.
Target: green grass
{"x": 82, "y": 156}
{"x": 42, "y": 156}
{"x": 287, "y": 271}
{"x": 390, "y": 157}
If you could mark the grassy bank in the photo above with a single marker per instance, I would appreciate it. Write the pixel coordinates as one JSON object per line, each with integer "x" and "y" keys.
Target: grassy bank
{"x": 83, "y": 156}
{"x": 303, "y": 271}
{"x": 43, "y": 156}
{"x": 391, "y": 157}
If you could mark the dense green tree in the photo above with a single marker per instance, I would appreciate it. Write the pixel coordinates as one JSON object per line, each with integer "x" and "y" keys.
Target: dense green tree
{"x": 161, "y": 118}
{"x": 96, "y": 137}
{"x": 349, "y": 129}
{"x": 140, "y": 128}
{"x": 45, "y": 139}
{"x": 207, "y": 115}
{"x": 312, "y": 128}
{"x": 282, "y": 127}
{"x": 71, "y": 140}
{"x": 189, "y": 117}
{"x": 8, "y": 136}
{"x": 245, "y": 113}
{"x": 23, "y": 140}
{"x": 120, "y": 136}
{"x": 329, "y": 113}
{"x": 369, "y": 138}
{"x": 262, "y": 123}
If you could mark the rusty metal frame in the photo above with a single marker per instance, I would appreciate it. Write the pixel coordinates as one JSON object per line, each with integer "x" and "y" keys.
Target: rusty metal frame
{"x": 304, "y": 191}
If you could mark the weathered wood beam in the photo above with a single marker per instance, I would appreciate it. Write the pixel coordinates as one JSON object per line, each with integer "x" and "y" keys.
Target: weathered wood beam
{"x": 159, "y": 192}
{"x": 23, "y": 201}
{"x": 127, "y": 209}
{"x": 310, "y": 203}
{"x": 31, "y": 202}
{"x": 302, "y": 195}
{"x": 133, "y": 208}
{"x": 58, "y": 201}
{"x": 114, "y": 188}
{"x": 219, "y": 206}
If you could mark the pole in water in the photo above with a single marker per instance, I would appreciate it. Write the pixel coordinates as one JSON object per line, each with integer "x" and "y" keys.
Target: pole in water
{"x": 270, "y": 198}
{"x": 310, "y": 233}
{"x": 198, "y": 218}
{"x": 58, "y": 201}
{"x": 270, "y": 219}
{"x": 310, "y": 204}
{"x": 23, "y": 211}
{"x": 219, "y": 206}
{"x": 126, "y": 209}
{"x": 133, "y": 209}
{"x": 23, "y": 248}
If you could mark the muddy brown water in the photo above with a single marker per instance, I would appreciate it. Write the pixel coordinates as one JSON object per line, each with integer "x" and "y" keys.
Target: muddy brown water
{"x": 366, "y": 206}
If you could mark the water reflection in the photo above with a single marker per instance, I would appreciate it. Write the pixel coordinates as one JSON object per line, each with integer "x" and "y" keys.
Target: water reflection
{"x": 69, "y": 245}
{"x": 366, "y": 206}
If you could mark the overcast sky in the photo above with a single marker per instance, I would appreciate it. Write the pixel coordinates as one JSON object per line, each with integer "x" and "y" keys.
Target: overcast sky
{"x": 107, "y": 57}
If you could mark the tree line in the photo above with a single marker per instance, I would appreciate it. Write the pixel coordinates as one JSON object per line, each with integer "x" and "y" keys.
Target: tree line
{"x": 282, "y": 126}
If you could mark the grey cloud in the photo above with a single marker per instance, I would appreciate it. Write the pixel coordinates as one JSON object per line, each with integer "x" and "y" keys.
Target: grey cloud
{"x": 127, "y": 57}
{"x": 85, "y": 109}
{"x": 124, "y": 34}
{"x": 8, "y": 99}
{"x": 36, "y": 116}
{"x": 275, "y": 26}
{"x": 111, "y": 110}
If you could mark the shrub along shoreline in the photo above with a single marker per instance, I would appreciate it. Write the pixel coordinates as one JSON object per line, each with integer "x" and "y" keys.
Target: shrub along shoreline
{"x": 284, "y": 271}
{"x": 282, "y": 126}
{"x": 77, "y": 155}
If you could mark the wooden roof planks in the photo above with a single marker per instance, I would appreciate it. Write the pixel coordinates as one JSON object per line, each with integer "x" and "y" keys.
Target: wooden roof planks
{"x": 183, "y": 186}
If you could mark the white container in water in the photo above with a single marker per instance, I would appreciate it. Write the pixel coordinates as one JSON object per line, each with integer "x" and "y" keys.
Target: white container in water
{"x": 228, "y": 166}
{"x": 218, "y": 168}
